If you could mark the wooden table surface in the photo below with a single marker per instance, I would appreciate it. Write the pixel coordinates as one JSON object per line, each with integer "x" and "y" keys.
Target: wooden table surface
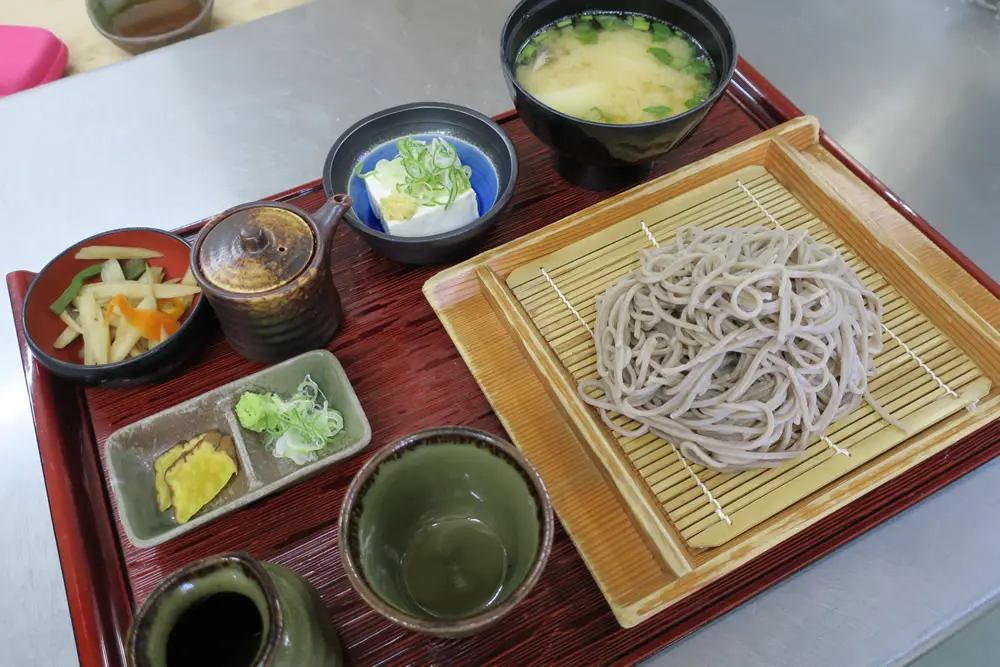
{"x": 88, "y": 50}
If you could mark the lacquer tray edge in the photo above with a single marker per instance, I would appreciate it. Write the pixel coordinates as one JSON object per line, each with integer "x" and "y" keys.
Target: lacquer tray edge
{"x": 826, "y": 535}
{"x": 91, "y": 561}
{"x": 100, "y": 613}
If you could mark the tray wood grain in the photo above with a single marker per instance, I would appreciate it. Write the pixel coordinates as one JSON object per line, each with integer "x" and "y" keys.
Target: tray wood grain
{"x": 566, "y": 620}
{"x": 664, "y": 505}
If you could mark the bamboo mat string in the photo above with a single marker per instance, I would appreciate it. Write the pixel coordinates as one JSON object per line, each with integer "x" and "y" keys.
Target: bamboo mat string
{"x": 649, "y": 234}
{"x": 694, "y": 476}
{"x": 759, "y": 205}
{"x": 832, "y": 445}
{"x": 913, "y": 355}
{"x": 706, "y": 509}
{"x": 927, "y": 369}
{"x": 569, "y": 305}
{"x": 719, "y": 512}
{"x": 714, "y": 502}
{"x": 837, "y": 449}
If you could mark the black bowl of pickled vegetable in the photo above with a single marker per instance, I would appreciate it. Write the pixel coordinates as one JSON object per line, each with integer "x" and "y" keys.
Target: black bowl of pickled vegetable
{"x": 611, "y": 86}
{"x": 116, "y": 309}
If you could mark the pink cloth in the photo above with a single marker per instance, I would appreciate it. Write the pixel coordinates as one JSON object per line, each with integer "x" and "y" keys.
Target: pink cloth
{"x": 29, "y": 57}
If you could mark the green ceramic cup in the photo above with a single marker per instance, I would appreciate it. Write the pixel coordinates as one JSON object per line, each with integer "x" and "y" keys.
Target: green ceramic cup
{"x": 446, "y": 530}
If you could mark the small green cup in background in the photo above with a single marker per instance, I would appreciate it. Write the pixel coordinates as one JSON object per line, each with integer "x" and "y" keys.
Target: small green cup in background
{"x": 102, "y": 15}
{"x": 446, "y": 530}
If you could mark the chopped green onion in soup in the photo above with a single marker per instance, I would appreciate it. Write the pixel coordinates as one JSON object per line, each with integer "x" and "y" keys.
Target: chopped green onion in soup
{"x": 610, "y": 68}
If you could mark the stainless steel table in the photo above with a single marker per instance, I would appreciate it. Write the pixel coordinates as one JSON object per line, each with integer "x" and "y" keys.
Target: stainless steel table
{"x": 910, "y": 89}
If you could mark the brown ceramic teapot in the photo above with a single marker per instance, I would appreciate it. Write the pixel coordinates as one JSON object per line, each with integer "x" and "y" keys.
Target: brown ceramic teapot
{"x": 265, "y": 268}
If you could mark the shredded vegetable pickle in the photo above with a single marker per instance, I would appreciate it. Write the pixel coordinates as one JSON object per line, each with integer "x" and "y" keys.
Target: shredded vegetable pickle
{"x": 296, "y": 428}
{"x": 434, "y": 174}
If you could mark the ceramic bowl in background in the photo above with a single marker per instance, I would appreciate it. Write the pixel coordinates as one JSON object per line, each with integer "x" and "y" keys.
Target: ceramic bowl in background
{"x": 42, "y": 326}
{"x": 602, "y": 156}
{"x": 179, "y": 20}
{"x": 479, "y": 143}
{"x": 445, "y": 531}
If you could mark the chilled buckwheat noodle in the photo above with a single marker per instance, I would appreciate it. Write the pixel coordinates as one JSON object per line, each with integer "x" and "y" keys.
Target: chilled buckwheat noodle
{"x": 738, "y": 346}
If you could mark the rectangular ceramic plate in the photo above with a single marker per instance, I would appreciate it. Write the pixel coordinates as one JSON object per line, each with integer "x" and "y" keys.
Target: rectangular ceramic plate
{"x": 131, "y": 451}
{"x": 645, "y": 523}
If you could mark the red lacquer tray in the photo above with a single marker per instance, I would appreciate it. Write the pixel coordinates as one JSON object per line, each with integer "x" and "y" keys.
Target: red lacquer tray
{"x": 409, "y": 376}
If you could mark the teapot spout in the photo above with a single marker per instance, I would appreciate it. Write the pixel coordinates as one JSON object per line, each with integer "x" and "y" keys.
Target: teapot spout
{"x": 330, "y": 214}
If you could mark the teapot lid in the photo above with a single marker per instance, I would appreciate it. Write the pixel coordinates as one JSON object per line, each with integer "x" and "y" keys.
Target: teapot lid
{"x": 256, "y": 249}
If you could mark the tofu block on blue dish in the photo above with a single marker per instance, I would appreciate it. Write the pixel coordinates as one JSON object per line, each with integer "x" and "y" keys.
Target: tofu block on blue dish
{"x": 423, "y": 191}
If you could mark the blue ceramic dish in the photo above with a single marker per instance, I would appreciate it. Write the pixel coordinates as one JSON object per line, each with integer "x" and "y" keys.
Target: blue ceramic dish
{"x": 480, "y": 144}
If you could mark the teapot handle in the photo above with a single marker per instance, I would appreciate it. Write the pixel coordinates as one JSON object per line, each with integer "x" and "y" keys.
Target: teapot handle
{"x": 330, "y": 214}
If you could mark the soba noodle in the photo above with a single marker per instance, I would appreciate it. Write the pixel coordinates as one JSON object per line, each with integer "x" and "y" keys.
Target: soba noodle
{"x": 738, "y": 346}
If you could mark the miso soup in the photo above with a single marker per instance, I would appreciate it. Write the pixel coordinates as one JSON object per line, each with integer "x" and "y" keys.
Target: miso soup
{"x": 615, "y": 68}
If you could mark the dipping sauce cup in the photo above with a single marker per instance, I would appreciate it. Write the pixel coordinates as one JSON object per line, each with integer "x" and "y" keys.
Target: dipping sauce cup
{"x": 445, "y": 531}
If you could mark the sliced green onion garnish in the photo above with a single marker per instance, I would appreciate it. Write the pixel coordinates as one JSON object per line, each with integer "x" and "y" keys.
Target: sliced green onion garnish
{"x": 403, "y": 146}
{"x": 584, "y": 31}
{"x": 659, "y": 111}
{"x": 359, "y": 170}
{"x": 609, "y": 22}
{"x": 434, "y": 174}
{"x": 661, "y": 32}
{"x": 542, "y": 36}
{"x": 443, "y": 155}
{"x": 414, "y": 170}
{"x": 698, "y": 67}
{"x": 662, "y": 55}
{"x": 640, "y": 23}
{"x": 526, "y": 55}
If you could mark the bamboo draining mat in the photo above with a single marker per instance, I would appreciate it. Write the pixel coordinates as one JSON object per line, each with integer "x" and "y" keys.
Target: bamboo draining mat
{"x": 920, "y": 384}
{"x": 641, "y": 562}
